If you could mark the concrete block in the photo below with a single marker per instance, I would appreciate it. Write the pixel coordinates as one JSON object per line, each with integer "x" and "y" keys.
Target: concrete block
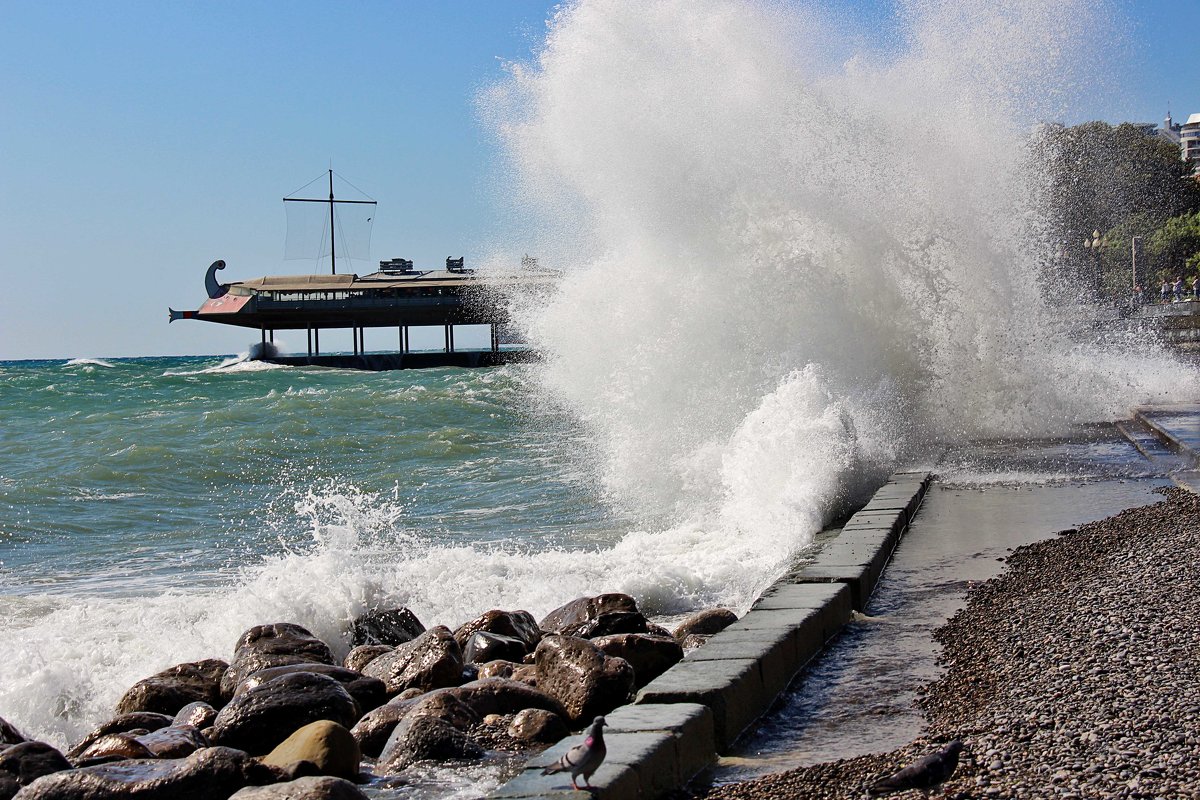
{"x": 832, "y": 602}
{"x": 732, "y": 689}
{"x": 914, "y": 476}
{"x": 612, "y": 781}
{"x": 688, "y": 724}
{"x": 857, "y": 577}
{"x": 774, "y": 649}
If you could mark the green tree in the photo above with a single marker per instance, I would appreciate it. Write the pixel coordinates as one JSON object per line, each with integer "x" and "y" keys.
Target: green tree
{"x": 1175, "y": 247}
{"x": 1114, "y": 179}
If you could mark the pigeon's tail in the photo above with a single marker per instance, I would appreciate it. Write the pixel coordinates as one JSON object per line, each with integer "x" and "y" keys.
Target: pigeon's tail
{"x": 553, "y": 768}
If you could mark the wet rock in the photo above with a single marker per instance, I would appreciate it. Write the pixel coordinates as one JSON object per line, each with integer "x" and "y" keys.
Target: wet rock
{"x": 264, "y": 716}
{"x": 527, "y": 674}
{"x": 112, "y": 747}
{"x": 658, "y": 630}
{"x": 650, "y": 656}
{"x": 24, "y": 762}
{"x": 326, "y": 745}
{"x": 272, "y": 645}
{"x": 602, "y": 615}
{"x": 374, "y": 729}
{"x": 706, "y": 623}
{"x": 198, "y": 715}
{"x": 364, "y": 654}
{"x": 483, "y": 647}
{"x": 215, "y": 772}
{"x": 310, "y": 788}
{"x": 425, "y": 738}
{"x": 519, "y": 625}
{"x": 431, "y": 661}
{"x": 470, "y": 672}
{"x": 143, "y": 721}
{"x": 501, "y": 696}
{"x": 536, "y": 726}
{"x": 497, "y": 669}
{"x": 692, "y": 641}
{"x": 585, "y": 680}
{"x": 170, "y": 690}
{"x": 9, "y": 734}
{"x": 368, "y": 692}
{"x": 391, "y": 627}
{"x": 175, "y": 741}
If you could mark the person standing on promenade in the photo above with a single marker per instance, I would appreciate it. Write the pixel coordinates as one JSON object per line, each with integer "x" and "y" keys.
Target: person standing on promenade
{"x": 1177, "y": 288}
{"x": 1164, "y": 294}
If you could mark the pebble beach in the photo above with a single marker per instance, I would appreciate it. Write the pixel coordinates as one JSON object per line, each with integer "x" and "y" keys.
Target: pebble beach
{"x": 1074, "y": 674}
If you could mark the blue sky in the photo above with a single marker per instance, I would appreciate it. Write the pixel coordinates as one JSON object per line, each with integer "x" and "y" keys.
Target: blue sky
{"x": 139, "y": 141}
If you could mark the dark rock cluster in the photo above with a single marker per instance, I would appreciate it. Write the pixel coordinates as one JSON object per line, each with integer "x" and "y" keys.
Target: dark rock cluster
{"x": 1075, "y": 674}
{"x": 283, "y": 719}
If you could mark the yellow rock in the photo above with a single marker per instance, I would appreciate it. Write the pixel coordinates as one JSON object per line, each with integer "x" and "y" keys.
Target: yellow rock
{"x": 326, "y": 744}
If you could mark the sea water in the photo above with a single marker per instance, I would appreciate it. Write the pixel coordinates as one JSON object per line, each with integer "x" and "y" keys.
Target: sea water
{"x": 791, "y": 262}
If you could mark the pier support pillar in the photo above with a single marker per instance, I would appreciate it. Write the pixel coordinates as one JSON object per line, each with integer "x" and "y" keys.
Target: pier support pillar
{"x": 495, "y": 338}
{"x": 310, "y": 332}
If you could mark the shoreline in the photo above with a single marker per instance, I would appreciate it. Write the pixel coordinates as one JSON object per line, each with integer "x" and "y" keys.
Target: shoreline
{"x": 1072, "y": 674}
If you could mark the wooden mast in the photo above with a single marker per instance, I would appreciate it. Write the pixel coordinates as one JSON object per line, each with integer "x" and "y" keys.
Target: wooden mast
{"x": 332, "y": 219}
{"x": 332, "y": 241}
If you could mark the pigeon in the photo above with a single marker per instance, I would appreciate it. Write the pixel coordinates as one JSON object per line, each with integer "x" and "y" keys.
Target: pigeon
{"x": 583, "y": 759}
{"x": 924, "y": 773}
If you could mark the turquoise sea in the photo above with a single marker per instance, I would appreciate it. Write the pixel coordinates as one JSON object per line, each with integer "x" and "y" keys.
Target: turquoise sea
{"x": 124, "y": 475}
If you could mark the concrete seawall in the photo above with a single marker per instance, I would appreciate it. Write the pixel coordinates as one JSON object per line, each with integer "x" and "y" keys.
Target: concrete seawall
{"x": 682, "y": 720}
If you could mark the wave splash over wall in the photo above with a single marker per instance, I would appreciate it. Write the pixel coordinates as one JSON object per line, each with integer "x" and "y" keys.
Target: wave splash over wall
{"x": 789, "y": 262}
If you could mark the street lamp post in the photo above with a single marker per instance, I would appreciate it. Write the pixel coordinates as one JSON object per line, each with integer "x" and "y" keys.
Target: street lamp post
{"x": 1133, "y": 243}
{"x": 1094, "y": 244}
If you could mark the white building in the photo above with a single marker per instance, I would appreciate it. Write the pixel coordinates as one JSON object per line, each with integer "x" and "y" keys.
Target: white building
{"x": 1189, "y": 140}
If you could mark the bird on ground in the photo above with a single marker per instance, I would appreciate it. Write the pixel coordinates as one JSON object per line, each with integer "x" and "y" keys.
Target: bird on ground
{"x": 584, "y": 758}
{"x": 924, "y": 774}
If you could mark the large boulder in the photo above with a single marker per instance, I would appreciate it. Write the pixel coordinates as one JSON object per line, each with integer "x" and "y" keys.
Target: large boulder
{"x": 579, "y": 675}
{"x": 112, "y": 747}
{"x": 705, "y": 623}
{"x": 175, "y": 741}
{"x": 24, "y": 762}
{"x": 391, "y": 627}
{"x": 272, "y": 646}
{"x": 170, "y": 690}
{"x": 324, "y": 744}
{"x": 431, "y": 661}
{"x": 650, "y": 656}
{"x": 264, "y": 716}
{"x": 368, "y": 692}
{"x": 141, "y": 721}
{"x": 502, "y": 696}
{"x": 519, "y": 625}
{"x": 364, "y": 654}
{"x": 374, "y": 729}
{"x": 602, "y": 615}
{"x": 9, "y": 734}
{"x": 209, "y": 774}
{"x": 310, "y": 788}
{"x": 198, "y": 715}
{"x": 425, "y": 738}
{"x": 483, "y": 647}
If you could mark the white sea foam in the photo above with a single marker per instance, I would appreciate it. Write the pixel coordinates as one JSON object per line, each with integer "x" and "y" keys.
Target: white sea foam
{"x": 87, "y": 362}
{"x": 230, "y": 365}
